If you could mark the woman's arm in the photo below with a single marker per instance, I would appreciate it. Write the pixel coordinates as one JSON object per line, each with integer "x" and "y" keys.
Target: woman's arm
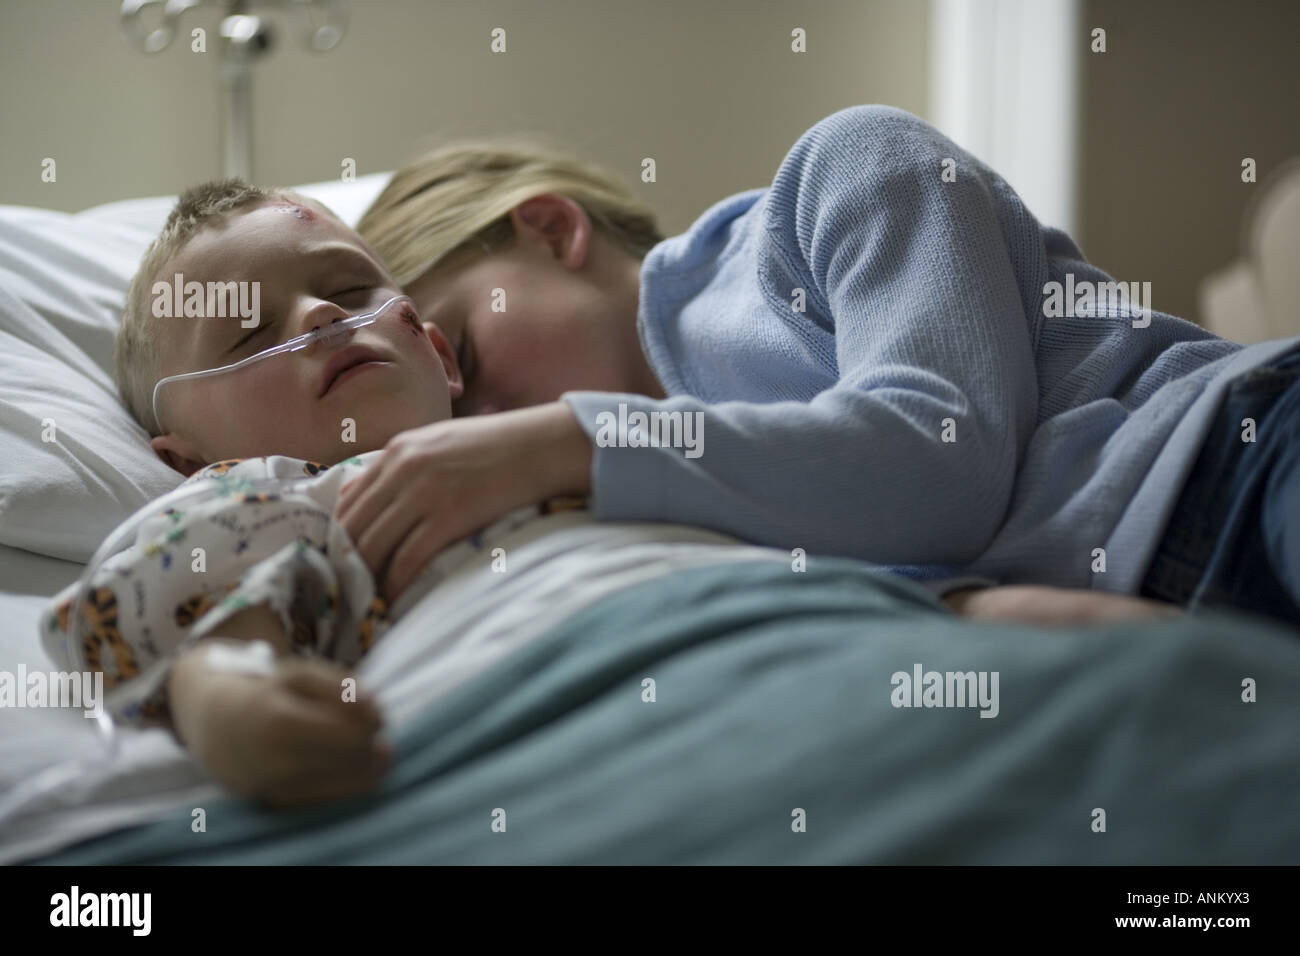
{"x": 909, "y": 459}
{"x": 912, "y": 455}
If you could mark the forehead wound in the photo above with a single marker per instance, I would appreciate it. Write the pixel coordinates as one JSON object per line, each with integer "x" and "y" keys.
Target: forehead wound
{"x": 294, "y": 209}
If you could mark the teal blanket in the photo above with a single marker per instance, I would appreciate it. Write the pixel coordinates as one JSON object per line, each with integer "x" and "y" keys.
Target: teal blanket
{"x": 742, "y": 713}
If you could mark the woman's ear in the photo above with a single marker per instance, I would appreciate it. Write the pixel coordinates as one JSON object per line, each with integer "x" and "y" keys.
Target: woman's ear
{"x": 177, "y": 454}
{"x": 557, "y": 221}
{"x": 455, "y": 380}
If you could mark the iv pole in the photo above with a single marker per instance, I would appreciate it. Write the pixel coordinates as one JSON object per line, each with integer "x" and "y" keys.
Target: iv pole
{"x": 245, "y": 38}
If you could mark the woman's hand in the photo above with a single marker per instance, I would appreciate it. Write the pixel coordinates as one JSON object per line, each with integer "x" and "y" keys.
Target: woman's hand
{"x": 437, "y": 484}
{"x": 287, "y": 739}
{"x": 1053, "y": 607}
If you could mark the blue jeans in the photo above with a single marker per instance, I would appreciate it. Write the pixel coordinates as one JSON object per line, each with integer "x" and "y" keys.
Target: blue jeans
{"x": 1233, "y": 540}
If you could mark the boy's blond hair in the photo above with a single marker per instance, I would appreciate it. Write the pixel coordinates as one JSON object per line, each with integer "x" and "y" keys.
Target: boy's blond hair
{"x": 137, "y": 357}
{"x": 457, "y": 199}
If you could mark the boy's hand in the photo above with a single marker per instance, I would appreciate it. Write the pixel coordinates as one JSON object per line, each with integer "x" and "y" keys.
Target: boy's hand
{"x": 288, "y": 739}
{"x": 1053, "y": 607}
{"x": 442, "y": 482}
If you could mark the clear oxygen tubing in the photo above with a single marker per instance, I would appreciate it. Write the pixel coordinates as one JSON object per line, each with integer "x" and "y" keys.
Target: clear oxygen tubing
{"x": 13, "y": 803}
{"x": 328, "y": 333}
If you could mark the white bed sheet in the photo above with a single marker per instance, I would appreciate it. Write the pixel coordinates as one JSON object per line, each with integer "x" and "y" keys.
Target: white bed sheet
{"x": 26, "y": 573}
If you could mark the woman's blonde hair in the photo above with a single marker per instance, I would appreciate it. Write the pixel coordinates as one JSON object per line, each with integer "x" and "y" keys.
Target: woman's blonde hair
{"x": 457, "y": 199}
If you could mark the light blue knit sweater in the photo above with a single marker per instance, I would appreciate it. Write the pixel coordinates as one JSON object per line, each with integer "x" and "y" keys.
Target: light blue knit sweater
{"x": 921, "y": 409}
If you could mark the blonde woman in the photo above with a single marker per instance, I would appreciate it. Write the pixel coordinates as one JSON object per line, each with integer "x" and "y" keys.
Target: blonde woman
{"x": 870, "y": 358}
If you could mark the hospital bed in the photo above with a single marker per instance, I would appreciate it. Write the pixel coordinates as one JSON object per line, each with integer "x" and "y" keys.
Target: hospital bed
{"x": 729, "y": 713}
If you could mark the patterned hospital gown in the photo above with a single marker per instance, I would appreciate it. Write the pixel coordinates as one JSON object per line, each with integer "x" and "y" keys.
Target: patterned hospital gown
{"x": 277, "y": 547}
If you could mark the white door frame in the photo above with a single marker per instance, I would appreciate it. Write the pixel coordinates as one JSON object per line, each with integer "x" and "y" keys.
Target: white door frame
{"x": 1004, "y": 85}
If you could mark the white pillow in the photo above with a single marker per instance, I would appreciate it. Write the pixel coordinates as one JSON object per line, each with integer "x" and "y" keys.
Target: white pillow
{"x": 73, "y": 463}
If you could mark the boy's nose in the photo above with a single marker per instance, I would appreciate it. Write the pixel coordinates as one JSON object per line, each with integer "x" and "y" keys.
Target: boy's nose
{"x": 320, "y": 315}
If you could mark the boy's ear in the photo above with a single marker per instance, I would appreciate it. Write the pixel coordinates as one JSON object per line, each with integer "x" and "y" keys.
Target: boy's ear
{"x": 455, "y": 382}
{"x": 176, "y": 453}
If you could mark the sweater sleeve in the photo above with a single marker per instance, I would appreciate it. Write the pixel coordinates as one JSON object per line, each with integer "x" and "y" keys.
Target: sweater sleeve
{"x": 911, "y": 456}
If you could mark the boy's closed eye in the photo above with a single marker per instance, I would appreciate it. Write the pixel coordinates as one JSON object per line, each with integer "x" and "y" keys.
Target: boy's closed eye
{"x": 261, "y": 327}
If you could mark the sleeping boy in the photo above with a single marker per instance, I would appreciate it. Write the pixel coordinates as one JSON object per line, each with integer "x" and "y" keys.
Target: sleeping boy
{"x": 255, "y": 566}
{"x": 234, "y": 618}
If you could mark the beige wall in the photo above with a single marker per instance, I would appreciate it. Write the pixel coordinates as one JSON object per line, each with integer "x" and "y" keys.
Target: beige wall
{"x": 711, "y": 90}
{"x": 1186, "y": 89}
